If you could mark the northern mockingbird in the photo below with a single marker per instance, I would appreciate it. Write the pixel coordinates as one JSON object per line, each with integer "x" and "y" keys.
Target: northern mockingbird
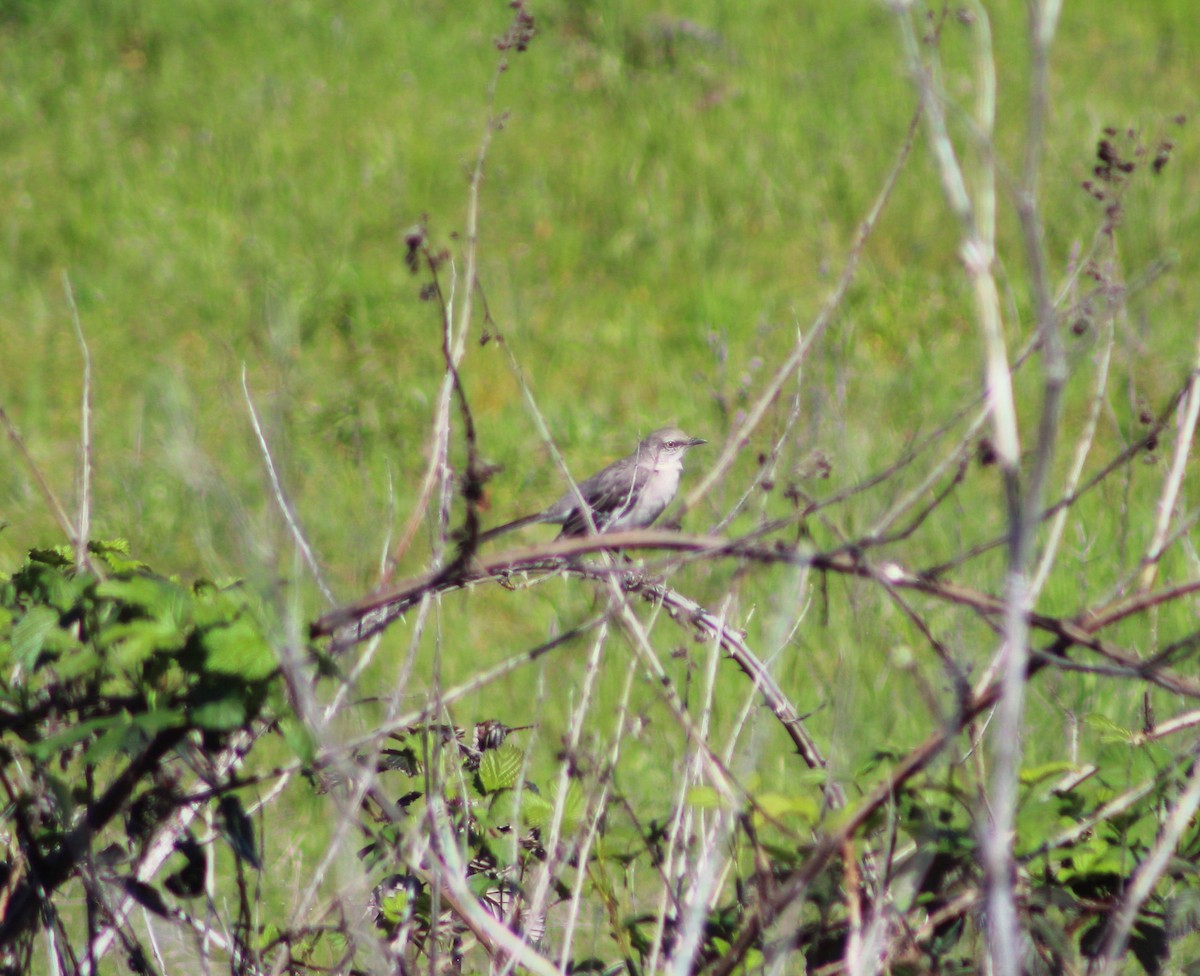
{"x": 629, "y": 494}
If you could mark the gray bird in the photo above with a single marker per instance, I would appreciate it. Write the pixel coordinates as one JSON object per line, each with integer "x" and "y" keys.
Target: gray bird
{"x": 629, "y": 494}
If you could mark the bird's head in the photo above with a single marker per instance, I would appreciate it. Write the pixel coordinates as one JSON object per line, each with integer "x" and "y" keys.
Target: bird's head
{"x": 668, "y": 444}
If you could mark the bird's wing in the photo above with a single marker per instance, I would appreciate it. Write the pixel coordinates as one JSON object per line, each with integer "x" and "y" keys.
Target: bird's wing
{"x": 608, "y": 494}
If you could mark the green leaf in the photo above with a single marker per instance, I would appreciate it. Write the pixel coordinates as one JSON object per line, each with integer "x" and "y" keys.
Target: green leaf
{"x": 574, "y": 806}
{"x": 480, "y": 885}
{"x": 751, "y": 962}
{"x": 158, "y": 597}
{"x": 155, "y": 720}
{"x": 396, "y": 907}
{"x": 1055, "y": 770}
{"x": 135, "y": 642}
{"x": 299, "y": 739}
{"x": 499, "y": 768}
{"x": 780, "y": 806}
{"x": 121, "y": 732}
{"x": 536, "y": 810}
{"x": 239, "y": 650}
{"x": 502, "y": 809}
{"x": 59, "y": 557}
{"x": 215, "y": 606}
{"x": 120, "y": 736}
{"x": 80, "y": 662}
{"x": 31, "y": 633}
{"x": 221, "y": 715}
{"x": 55, "y": 585}
{"x": 62, "y": 741}
{"x": 1109, "y": 730}
{"x": 115, "y": 552}
{"x": 703, "y": 798}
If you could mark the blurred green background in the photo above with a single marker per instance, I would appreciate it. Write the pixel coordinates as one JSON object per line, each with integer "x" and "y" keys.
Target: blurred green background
{"x": 671, "y": 198}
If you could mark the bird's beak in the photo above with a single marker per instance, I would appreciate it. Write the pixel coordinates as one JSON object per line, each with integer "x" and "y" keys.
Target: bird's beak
{"x": 696, "y": 441}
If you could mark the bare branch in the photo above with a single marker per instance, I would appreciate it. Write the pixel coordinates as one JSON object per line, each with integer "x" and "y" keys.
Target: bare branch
{"x": 805, "y": 342}
{"x": 83, "y": 529}
{"x": 281, "y": 498}
{"x": 1148, "y": 872}
{"x": 1170, "y": 492}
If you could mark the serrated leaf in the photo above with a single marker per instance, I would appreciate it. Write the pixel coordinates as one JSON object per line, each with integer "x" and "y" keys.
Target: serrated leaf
{"x": 536, "y": 810}
{"x": 239, "y": 650}
{"x": 56, "y": 556}
{"x": 132, "y": 644}
{"x": 115, "y": 553}
{"x": 55, "y": 586}
{"x": 30, "y": 634}
{"x": 499, "y": 768}
{"x": 1109, "y": 730}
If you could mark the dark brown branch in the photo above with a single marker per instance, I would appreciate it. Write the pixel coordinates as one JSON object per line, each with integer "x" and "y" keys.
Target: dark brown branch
{"x": 355, "y": 623}
{"x": 57, "y": 866}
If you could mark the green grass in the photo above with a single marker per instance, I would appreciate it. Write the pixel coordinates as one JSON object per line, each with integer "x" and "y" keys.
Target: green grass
{"x": 234, "y": 185}
{"x": 230, "y": 183}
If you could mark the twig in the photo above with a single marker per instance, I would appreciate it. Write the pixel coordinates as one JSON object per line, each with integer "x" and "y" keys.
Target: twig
{"x": 496, "y": 937}
{"x": 1119, "y": 462}
{"x": 1180, "y": 723}
{"x": 732, "y": 642}
{"x": 454, "y": 335}
{"x": 162, "y": 843}
{"x": 281, "y": 498}
{"x": 805, "y": 341}
{"x": 357, "y": 622}
{"x": 1148, "y": 872}
{"x": 51, "y": 499}
{"x": 1082, "y": 449}
{"x": 537, "y": 899}
{"x": 83, "y": 530}
{"x": 699, "y": 879}
{"x": 1170, "y": 492}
